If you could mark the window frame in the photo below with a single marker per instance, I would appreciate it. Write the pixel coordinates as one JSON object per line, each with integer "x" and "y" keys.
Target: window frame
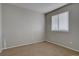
{"x": 67, "y": 24}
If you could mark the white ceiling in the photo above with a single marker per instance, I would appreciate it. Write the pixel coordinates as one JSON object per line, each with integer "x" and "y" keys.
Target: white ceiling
{"x": 40, "y": 7}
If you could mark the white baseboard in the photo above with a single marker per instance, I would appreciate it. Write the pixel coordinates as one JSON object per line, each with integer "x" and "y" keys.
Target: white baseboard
{"x": 22, "y": 45}
{"x": 63, "y": 46}
{"x": 42, "y": 41}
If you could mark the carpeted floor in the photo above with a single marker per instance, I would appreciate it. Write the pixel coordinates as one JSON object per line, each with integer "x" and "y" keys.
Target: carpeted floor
{"x": 39, "y": 49}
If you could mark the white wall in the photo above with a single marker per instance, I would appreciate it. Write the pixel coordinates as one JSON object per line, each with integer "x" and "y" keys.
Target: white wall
{"x": 21, "y": 26}
{"x": 0, "y": 28}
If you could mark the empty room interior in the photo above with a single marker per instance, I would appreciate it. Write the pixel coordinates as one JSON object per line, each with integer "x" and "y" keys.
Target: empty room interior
{"x": 39, "y": 29}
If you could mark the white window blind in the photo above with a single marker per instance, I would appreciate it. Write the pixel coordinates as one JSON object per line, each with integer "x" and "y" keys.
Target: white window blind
{"x": 54, "y": 23}
{"x": 60, "y": 22}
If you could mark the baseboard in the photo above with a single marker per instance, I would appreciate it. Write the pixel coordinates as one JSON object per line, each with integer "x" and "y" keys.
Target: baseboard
{"x": 22, "y": 45}
{"x": 42, "y": 41}
{"x": 63, "y": 46}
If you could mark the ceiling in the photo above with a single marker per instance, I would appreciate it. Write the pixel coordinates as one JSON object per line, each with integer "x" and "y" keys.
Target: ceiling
{"x": 40, "y": 7}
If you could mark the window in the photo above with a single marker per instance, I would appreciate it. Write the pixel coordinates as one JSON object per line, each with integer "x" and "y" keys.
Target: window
{"x": 60, "y": 22}
{"x": 54, "y": 23}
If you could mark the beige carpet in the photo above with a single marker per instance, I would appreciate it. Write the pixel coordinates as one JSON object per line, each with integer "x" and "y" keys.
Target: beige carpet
{"x": 39, "y": 49}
